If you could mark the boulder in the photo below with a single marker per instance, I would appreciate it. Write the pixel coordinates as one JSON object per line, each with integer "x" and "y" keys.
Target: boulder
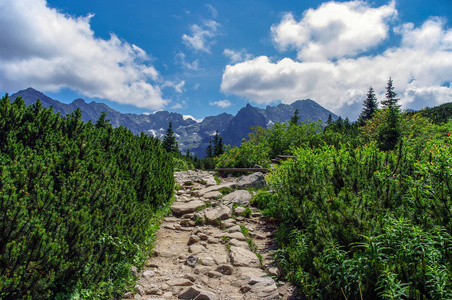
{"x": 197, "y": 293}
{"x": 255, "y": 180}
{"x": 240, "y": 197}
{"x": 260, "y": 287}
{"x": 181, "y": 208}
{"x": 243, "y": 258}
{"x": 218, "y": 213}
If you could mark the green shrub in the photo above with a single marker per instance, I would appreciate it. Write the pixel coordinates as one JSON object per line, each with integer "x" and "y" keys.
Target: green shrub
{"x": 246, "y": 156}
{"x": 354, "y": 219}
{"x": 77, "y": 203}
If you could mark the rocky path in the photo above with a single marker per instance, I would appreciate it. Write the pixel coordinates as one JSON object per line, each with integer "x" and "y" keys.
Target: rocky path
{"x": 213, "y": 246}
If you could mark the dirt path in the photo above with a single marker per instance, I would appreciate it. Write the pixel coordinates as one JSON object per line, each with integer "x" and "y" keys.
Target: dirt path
{"x": 212, "y": 247}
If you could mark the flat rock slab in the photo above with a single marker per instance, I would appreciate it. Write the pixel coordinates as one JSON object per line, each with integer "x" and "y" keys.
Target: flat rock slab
{"x": 202, "y": 192}
{"x": 179, "y": 208}
{"x": 243, "y": 258}
{"x": 199, "y": 176}
{"x": 255, "y": 180}
{"x": 240, "y": 197}
{"x": 213, "y": 195}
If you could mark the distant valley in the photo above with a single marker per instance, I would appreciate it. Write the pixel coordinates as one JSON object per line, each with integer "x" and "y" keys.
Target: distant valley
{"x": 190, "y": 134}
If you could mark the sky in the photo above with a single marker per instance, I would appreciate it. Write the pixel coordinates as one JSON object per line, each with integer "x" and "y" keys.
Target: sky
{"x": 203, "y": 58}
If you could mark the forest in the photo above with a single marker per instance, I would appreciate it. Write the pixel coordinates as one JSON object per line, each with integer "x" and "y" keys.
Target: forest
{"x": 363, "y": 210}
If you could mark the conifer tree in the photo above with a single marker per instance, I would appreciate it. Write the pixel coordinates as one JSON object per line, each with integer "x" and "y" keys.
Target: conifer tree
{"x": 169, "y": 140}
{"x": 295, "y": 118}
{"x": 102, "y": 121}
{"x": 389, "y": 131}
{"x": 330, "y": 120}
{"x": 209, "y": 151}
{"x": 370, "y": 106}
{"x": 391, "y": 99}
{"x": 217, "y": 145}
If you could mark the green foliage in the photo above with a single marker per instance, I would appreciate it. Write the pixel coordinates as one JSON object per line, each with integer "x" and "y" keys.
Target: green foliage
{"x": 295, "y": 118}
{"x": 246, "y": 156}
{"x": 169, "y": 140}
{"x": 370, "y": 106}
{"x": 356, "y": 218}
{"x": 77, "y": 203}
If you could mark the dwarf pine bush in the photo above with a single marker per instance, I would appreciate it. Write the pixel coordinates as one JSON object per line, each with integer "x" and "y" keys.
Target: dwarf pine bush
{"x": 77, "y": 202}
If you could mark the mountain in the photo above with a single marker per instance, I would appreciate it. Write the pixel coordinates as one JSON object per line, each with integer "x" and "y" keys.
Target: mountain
{"x": 190, "y": 134}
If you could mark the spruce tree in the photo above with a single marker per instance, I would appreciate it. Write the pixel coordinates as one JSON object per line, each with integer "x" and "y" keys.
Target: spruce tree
{"x": 209, "y": 150}
{"x": 370, "y": 106}
{"x": 217, "y": 145}
{"x": 295, "y": 118}
{"x": 391, "y": 99}
{"x": 330, "y": 120}
{"x": 169, "y": 140}
{"x": 389, "y": 131}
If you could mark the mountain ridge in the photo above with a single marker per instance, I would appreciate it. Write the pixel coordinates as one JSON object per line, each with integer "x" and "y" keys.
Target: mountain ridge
{"x": 190, "y": 134}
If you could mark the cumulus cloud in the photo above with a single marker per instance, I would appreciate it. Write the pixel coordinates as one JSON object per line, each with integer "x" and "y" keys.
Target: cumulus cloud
{"x": 221, "y": 103}
{"x": 201, "y": 37}
{"x": 237, "y": 56}
{"x": 334, "y": 30}
{"x": 48, "y": 50}
{"x": 421, "y": 67}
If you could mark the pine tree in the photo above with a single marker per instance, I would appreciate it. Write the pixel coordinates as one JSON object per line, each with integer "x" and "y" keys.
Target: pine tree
{"x": 169, "y": 140}
{"x": 295, "y": 118}
{"x": 391, "y": 99}
{"x": 389, "y": 131}
{"x": 209, "y": 150}
{"x": 370, "y": 106}
{"x": 102, "y": 121}
{"x": 217, "y": 145}
{"x": 330, "y": 120}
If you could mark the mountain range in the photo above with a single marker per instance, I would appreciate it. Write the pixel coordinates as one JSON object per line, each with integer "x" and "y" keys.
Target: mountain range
{"x": 190, "y": 134}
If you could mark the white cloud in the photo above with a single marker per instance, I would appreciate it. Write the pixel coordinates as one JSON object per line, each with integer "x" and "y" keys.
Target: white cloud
{"x": 201, "y": 37}
{"x": 178, "y": 87}
{"x": 49, "y": 50}
{"x": 181, "y": 59}
{"x": 237, "y": 56}
{"x": 212, "y": 10}
{"x": 221, "y": 103}
{"x": 186, "y": 117}
{"x": 421, "y": 67}
{"x": 334, "y": 30}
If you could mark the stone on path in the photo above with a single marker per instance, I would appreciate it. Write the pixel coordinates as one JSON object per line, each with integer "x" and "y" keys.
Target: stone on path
{"x": 202, "y": 177}
{"x": 255, "y": 180}
{"x": 197, "y": 293}
{"x": 219, "y": 213}
{"x": 243, "y": 258}
{"x": 240, "y": 197}
{"x": 260, "y": 288}
{"x": 202, "y": 192}
{"x": 179, "y": 208}
{"x": 213, "y": 195}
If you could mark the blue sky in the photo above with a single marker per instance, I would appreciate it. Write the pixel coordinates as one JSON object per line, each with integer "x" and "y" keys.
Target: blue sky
{"x": 202, "y": 58}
